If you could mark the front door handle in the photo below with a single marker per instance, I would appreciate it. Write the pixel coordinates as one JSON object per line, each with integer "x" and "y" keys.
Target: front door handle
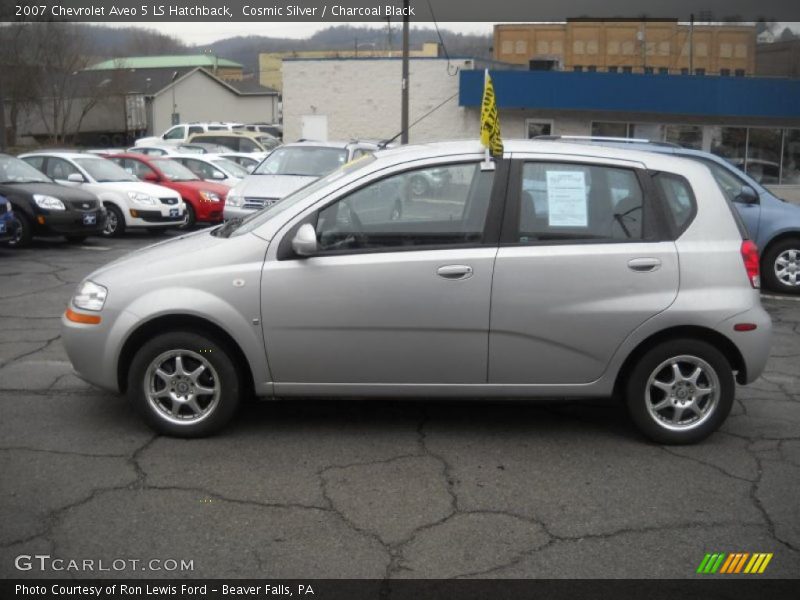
{"x": 644, "y": 265}
{"x": 455, "y": 272}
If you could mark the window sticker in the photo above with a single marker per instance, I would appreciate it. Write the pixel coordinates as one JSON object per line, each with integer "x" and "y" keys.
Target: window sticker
{"x": 567, "y": 199}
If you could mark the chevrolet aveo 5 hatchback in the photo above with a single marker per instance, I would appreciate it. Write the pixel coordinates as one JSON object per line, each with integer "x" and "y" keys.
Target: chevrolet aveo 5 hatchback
{"x": 559, "y": 271}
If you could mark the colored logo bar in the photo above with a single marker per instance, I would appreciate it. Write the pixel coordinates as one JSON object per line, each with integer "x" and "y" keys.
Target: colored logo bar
{"x": 734, "y": 563}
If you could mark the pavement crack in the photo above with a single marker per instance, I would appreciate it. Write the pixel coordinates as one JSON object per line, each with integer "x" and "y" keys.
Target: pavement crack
{"x": 699, "y": 461}
{"x": 45, "y": 345}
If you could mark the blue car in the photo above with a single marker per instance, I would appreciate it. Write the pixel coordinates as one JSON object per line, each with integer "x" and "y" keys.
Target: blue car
{"x": 8, "y": 224}
{"x": 772, "y": 223}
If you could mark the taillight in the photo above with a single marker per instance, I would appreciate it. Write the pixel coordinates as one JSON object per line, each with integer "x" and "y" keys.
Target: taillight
{"x": 750, "y": 258}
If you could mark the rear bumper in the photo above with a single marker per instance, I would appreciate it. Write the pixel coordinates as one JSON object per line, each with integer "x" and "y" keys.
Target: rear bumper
{"x": 754, "y": 345}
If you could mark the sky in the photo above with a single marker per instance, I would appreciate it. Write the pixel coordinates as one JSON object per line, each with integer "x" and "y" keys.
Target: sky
{"x": 205, "y": 33}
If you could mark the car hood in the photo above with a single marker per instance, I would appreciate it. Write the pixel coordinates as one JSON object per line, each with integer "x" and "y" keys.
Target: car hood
{"x": 51, "y": 189}
{"x": 203, "y": 186}
{"x": 138, "y": 186}
{"x": 172, "y": 261}
{"x": 272, "y": 186}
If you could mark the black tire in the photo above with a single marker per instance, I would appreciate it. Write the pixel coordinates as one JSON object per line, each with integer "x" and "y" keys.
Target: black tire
{"x": 223, "y": 376}
{"x": 776, "y": 251}
{"x": 714, "y": 407}
{"x": 76, "y": 239}
{"x": 191, "y": 218}
{"x": 115, "y": 222}
{"x": 24, "y": 234}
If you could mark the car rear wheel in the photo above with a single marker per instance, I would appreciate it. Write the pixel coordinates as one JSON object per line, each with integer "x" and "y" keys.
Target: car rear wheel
{"x": 184, "y": 384}
{"x": 115, "y": 222}
{"x": 24, "y": 232}
{"x": 781, "y": 270}
{"x": 680, "y": 391}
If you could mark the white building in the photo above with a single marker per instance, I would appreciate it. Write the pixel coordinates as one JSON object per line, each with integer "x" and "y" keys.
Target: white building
{"x": 349, "y": 98}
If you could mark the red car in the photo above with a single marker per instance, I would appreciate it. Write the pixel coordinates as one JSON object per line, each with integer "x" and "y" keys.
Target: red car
{"x": 205, "y": 201}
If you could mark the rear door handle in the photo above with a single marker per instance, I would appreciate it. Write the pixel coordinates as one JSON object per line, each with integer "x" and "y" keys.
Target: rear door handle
{"x": 644, "y": 265}
{"x": 454, "y": 272}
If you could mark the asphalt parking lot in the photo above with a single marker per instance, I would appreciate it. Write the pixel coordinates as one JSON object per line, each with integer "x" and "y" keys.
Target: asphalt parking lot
{"x": 390, "y": 489}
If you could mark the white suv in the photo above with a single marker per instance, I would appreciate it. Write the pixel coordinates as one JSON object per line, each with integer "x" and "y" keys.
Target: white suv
{"x": 130, "y": 203}
{"x": 178, "y": 134}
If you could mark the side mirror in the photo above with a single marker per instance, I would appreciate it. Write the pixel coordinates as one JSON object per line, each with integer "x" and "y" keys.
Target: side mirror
{"x": 75, "y": 178}
{"x": 217, "y": 175}
{"x": 747, "y": 195}
{"x": 305, "y": 241}
{"x": 151, "y": 177}
{"x": 250, "y": 168}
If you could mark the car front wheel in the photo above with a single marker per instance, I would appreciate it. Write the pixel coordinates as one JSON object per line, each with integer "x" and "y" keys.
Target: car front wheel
{"x": 680, "y": 391}
{"x": 24, "y": 232}
{"x": 115, "y": 222}
{"x": 184, "y": 384}
{"x": 781, "y": 270}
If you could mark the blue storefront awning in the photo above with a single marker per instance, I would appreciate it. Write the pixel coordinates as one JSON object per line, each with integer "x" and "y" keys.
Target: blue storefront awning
{"x": 696, "y": 95}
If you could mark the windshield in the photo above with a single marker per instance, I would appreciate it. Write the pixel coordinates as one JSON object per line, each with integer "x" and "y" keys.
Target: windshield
{"x": 175, "y": 171}
{"x": 14, "y": 170}
{"x": 260, "y": 217}
{"x": 104, "y": 171}
{"x": 230, "y": 167}
{"x": 308, "y": 161}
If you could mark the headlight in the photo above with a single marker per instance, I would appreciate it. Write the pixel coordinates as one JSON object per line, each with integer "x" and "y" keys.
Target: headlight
{"x": 48, "y": 202}
{"x": 234, "y": 199}
{"x": 90, "y": 296}
{"x": 209, "y": 196}
{"x": 142, "y": 198}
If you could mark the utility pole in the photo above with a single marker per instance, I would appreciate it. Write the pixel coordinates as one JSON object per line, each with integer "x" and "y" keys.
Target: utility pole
{"x": 2, "y": 121}
{"x": 691, "y": 43}
{"x": 404, "y": 101}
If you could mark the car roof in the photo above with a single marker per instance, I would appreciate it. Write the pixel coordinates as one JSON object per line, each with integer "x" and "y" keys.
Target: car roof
{"x": 67, "y": 155}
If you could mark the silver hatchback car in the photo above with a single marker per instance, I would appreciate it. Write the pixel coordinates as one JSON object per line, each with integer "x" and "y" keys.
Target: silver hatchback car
{"x": 559, "y": 271}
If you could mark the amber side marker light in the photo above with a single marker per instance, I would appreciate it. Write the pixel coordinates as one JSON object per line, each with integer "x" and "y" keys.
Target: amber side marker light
{"x": 744, "y": 327}
{"x": 82, "y": 318}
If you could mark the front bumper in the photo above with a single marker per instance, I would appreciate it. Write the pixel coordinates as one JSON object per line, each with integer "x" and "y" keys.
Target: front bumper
{"x": 70, "y": 222}
{"x": 154, "y": 218}
{"x": 209, "y": 212}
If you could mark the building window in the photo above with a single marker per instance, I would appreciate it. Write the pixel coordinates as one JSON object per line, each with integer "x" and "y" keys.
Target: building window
{"x": 507, "y": 47}
{"x": 725, "y": 72}
{"x": 648, "y": 70}
{"x": 627, "y": 69}
{"x": 628, "y": 48}
{"x": 592, "y": 47}
{"x": 556, "y": 47}
{"x": 684, "y": 71}
{"x": 741, "y": 51}
{"x": 699, "y": 71}
{"x": 534, "y": 128}
{"x": 701, "y": 49}
{"x": 688, "y": 136}
{"x": 592, "y": 68}
{"x": 764, "y": 155}
{"x": 542, "y": 47}
{"x": 663, "y": 48}
{"x": 611, "y": 129}
{"x": 663, "y": 71}
{"x": 790, "y": 167}
{"x": 726, "y": 50}
{"x": 739, "y": 72}
{"x": 578, "y": 47}
{"x": 521, "y": 47}
{"x": 650, "y": 48}
{"x": 613, "y": 69}
{"x": 612, "y": 48}
{"x": 577, "y": 68}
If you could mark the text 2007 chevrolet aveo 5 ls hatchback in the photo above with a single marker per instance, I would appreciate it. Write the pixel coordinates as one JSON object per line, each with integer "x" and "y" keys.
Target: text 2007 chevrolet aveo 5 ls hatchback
{"x": 566, "y": 271}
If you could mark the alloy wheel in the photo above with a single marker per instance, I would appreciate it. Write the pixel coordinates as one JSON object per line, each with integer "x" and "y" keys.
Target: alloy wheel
{"x": 182, "y": 386}
{"x": 787, "y": 267}
{"x": 682, "y": 392}
{"x": 111, "y": 223}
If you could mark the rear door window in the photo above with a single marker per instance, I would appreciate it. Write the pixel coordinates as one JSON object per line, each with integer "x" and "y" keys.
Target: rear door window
{"x": 679, "y": 199}
{"x": 579, "y": 202}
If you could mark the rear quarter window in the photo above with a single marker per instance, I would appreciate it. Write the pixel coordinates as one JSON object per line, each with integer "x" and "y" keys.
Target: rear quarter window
{"x": 679, "y": 200}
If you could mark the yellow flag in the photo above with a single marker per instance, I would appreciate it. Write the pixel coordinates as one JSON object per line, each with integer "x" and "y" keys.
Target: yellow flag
{"x": 490, "y": 122}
